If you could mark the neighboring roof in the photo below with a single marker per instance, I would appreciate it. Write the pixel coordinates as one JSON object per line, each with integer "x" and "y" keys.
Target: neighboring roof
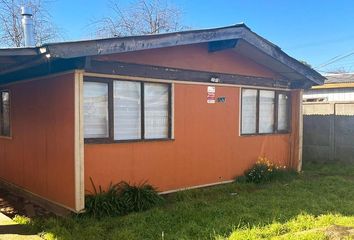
{"x": 239, "y": 37}
{"x": 339, "y": 78}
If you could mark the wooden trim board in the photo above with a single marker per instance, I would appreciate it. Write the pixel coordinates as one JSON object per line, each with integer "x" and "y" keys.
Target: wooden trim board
{"x": 334, "y": 85}
{"x": 79, "y": 143}
{"x": 195, "y": 187}
{"x": 301, "y": 119}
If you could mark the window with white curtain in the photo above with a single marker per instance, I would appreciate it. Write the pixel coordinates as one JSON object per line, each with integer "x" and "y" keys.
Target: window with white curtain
{"x": 5, "y": 129}
{"x": 127, "y": 110}
{"x": 249, "y": 111}
{"x": 156, "y": 110}
{"x": 121, "y": 110}
{"x": 264, "y": 111}
{"x": 283, "y": 112}
{"x": 95, "y": 110}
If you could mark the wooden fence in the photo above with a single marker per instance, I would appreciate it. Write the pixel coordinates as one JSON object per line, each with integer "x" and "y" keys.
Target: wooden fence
{"x": 328, "y": 132}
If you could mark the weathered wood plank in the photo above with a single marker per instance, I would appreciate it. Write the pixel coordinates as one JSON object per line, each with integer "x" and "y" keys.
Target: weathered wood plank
{"x": 159, "y": 72}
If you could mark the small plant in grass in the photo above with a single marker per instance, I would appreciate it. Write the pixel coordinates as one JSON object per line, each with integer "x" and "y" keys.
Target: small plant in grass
{"x": 120, "y": 199}
{"x": 137, "y": 198}
{"x": 103, "y": 202}
{"x": 263, "y": 171}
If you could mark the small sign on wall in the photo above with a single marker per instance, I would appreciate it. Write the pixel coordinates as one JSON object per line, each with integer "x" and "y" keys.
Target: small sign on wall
{"x": 211, "y": 94}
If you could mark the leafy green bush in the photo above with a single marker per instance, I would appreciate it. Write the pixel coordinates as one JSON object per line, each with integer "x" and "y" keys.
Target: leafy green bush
{"x": 103, "y": 202}
{"x": 259, "y": 173}
{"x": 265, "y": 171}
{"x": 137, "y": 198}
{"x": 120, "y": 199}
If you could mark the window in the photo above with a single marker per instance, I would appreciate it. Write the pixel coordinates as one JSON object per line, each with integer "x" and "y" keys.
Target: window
{"x": 118, "y": 110}
{"x": 5, "y": 128}
{"x": 249, "y": 111}
{"x": 264, "y": 111}
{"x": 283, "y": 112}
{"x": 127, "y": 110}
{"x": 156, "y": 110}
{"x": 95, "y": 110}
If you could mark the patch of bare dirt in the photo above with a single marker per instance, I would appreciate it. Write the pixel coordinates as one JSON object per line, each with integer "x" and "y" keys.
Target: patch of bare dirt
{"x": 11, "y": 205}
{"x": 336, "y": 232}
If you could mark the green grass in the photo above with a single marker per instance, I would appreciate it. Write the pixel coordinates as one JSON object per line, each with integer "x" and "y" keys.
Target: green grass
{"x": 294, "y": 207}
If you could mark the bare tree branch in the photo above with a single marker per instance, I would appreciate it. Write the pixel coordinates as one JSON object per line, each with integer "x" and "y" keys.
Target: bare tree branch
{"x": 11, "y": 32}
{"x": 140, "y": 18}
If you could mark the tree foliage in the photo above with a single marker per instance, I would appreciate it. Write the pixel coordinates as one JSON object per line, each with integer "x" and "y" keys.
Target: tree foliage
{"x": 141, "y": 17}
{"x": 11, "y": 32}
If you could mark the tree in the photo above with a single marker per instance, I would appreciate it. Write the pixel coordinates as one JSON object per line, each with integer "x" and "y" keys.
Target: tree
{"x": 11, "y": 32}
{"x": 305, "y": 63}
{"x": 141, "y": 17}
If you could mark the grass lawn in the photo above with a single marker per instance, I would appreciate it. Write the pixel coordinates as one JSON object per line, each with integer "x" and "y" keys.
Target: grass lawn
{"x": 298, "y": 207}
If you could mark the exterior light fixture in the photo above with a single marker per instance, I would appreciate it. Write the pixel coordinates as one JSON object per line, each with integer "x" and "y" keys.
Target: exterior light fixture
{"x": 215, "y": 79}
{"x": 42, "y": 50}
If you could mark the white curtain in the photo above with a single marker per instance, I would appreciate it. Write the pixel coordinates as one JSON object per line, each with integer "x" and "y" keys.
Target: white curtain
{"x": 249, "y": 108}
{"x": 5, "y": 118}
{"x": 95, "y": 110}
{"x": 156, "y": 110}
{"x": 266, "y": 111}
{"x": 282, "y": 112}
{"x": 127, "y": 110}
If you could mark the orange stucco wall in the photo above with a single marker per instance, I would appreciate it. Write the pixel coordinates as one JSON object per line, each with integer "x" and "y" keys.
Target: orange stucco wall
{"x": 40, "y": 155}
{"x": 207, "y": 146}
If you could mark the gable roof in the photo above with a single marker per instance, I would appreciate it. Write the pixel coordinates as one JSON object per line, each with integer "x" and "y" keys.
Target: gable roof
{"x": 236, "y": 37}
{"x": 339, "y": 78}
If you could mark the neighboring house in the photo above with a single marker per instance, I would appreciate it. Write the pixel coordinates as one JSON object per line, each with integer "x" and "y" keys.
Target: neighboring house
{"x": 179, "y": 110}
{"x": 329, "y": 120}
{"x": 337, "y": 88}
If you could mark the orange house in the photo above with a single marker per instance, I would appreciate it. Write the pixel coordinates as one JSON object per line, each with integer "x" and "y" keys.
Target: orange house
{"x": 179, "y": 110}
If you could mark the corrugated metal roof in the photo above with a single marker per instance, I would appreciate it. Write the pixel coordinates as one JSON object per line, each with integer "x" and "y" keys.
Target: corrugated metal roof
{"x": 339, "y": 78}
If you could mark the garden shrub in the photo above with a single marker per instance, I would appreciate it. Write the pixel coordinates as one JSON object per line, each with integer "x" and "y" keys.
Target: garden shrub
{"x": 101, "y": 202}
{"x": 264, "y": 171}
{"x": 137, "y": 198}
{"x": 120, "y": 199}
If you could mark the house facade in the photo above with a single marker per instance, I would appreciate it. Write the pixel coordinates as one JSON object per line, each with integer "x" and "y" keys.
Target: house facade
{"x": 178, "y": 110}
{"x": 337, "y": 88}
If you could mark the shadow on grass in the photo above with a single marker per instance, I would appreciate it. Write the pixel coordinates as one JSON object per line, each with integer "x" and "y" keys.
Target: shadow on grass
{"x": 218, "y": 211}
{"x": 15, "y": 229}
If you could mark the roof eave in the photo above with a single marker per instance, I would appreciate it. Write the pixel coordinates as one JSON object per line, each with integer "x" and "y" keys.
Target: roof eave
{"x": 19, "y": 51}
{"x": 68, "y": 50}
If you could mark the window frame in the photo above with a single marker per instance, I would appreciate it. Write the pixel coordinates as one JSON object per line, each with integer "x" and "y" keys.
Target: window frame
{"x": 110, "y": 138}
{"x": 276, "y": 107}
{"x": 1, "y": 111}
{"x": 110, "y": 93}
